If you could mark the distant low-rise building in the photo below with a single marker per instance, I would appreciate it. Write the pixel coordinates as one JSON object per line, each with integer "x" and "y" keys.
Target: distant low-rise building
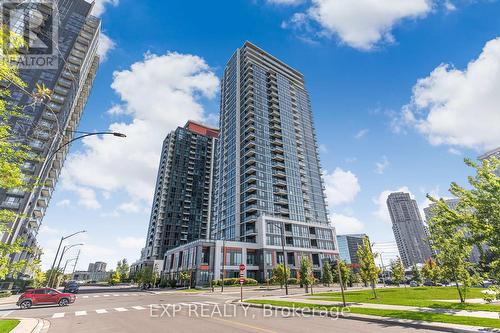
{"x": 91, "y": 276}
{"x": 490, "y": 154}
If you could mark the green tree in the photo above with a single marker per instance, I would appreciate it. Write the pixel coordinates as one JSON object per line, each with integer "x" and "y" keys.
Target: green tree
{"x": 279, "y": 274}
{"x": 431, "y": 271}
{"x": 416, "y": 274}
{"x": 448, "y": 236}
{"x": 145, "y": 275}
{"x": 478, "y": 212}
{"x": 123, "y": 268}
{"x": 12, "y": 153}
{"x": 368, "y": 270}
{"x": 39, "y": 278}
{"x": 345, "y": 272}
{"x": 327, "y": 276}
{"x": 397, "y": 271}
{"x": 114, "y": 278}
{"x": 306, "y": 273}
{"x": 185, "y": 277}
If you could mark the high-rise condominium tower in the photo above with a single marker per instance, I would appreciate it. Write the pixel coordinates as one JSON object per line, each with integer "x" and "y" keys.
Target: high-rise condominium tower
{"x": 182, "y": 200}
{"x": 45, "y": 126}
{"x": 268, "y": 160}
{"x": 409, "y": 229}
{"x": 269, "y": 205}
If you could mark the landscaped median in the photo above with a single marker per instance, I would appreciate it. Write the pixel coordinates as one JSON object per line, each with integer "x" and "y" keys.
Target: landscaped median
{"x": 428, "y": 297}
{"x": 397, "y": 314}
{"x": 7, "y": 325}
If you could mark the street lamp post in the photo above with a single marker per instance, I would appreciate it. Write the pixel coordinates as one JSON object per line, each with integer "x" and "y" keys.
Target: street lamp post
{"x": 65, "y": 248}
{"x": 66, "y": 264}
{"x": 57, "y": 254}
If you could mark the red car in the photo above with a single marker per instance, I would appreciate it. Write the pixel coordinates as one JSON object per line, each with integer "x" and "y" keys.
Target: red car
{"x": 44, "y": 296}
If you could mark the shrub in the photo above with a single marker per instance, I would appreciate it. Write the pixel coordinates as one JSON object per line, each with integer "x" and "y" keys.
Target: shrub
{"x": 172, "y": 283}
{"x": 5, "y": 294}
{"x": 293, "y": 281}
{"x": 491, "y": 294}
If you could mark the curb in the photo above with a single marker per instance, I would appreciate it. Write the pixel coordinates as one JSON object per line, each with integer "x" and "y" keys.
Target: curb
{"x": 436, "y": 326}
{"x": 30, "y": 325}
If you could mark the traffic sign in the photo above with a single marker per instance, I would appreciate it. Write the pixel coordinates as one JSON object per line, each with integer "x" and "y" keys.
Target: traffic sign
{"x": 242, "y": 267}
{"x": 242, "y": 280}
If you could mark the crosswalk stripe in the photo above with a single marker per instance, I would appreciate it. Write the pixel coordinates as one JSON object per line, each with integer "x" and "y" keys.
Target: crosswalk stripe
{"x": 116, "y": 295}
{"x": 96, "y": 296}
{"x": 121, "y": 309}
{"x": 138, "y": 308}
{"x": 58, "y": 315}
{"x": 85, "y": 296}
{"x": 80, "y": 313}
{"x": 100, "y": 311}
{"x": 125, "y": 294}
{"x": 105, "y": 295}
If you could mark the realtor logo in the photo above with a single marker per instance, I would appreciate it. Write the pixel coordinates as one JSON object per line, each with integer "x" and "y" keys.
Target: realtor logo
{"x": 30, "y": 33}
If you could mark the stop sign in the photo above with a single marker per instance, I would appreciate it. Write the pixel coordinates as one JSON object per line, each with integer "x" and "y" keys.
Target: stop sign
{"x": 242, "y": 267}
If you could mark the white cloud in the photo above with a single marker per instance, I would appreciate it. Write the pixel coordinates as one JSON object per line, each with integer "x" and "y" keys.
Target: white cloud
{"x": 361, "y": 24}
{"x": 382, "y": 212}
{"x": 449, "y": 6}
{"x": 159, "y": 93}
{"x": 129, "y": 207}
{"x": 459, "y": 107}
{"x": 131, "y": 243}
{"x": 341, "y": 187}
{"x": 100, "y": 6}
{"x": 361, "y": 134}
{"x": 346, "y": 224}
{"x": 382, "y": 165}
{"x": 106, "y": 44}
{"x": 454, "y": 151}
{"x": 63, "y": 203}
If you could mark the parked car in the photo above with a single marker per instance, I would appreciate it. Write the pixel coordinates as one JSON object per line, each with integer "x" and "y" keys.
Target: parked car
{"x": 413, "y": 284}
{"x": 15, "y": 290}
{"x": 44, "y": 296}
{"x": 71, "y": 287}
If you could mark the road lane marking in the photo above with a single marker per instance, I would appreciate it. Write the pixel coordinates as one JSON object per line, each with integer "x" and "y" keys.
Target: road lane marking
{"x": 58, "y": 315}
{"x": 125, "y": 294}
{"x": 96, "y": 296}
{"x": 138, "y": 308}
{"x": 198, "y": 303}
{"x": 80, "y": 313}
{"x": 105, "y": 295}
{"x": 121, "y": 309}
{"x": 101, "y": 311}
{"x": 116, "y": 295}
{"x": 85, "y": 296}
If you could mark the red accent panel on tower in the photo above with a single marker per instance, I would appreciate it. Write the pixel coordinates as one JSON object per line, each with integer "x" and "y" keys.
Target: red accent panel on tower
{"x": 202, "y": 130}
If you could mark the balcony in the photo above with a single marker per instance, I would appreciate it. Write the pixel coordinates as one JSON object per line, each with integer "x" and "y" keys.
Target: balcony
{"x": 34, "y": 223}
{"x": 38, "y": 212}
{"x": 42, "y": 202}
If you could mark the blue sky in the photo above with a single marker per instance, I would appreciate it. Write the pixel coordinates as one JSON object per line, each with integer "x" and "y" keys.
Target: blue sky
{"x": 401, "y": 92}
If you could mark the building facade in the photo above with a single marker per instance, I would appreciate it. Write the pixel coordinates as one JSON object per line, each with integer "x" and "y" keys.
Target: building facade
{"x": 98, "y": 266}
{"x": 183, "y": 196}
{"x": 409, "y": 229}
{"x": 211, "y": 259}
{"x": 348, "y": 248}
{"x": 45, "y": 126}
{"x": 269, "y": 202}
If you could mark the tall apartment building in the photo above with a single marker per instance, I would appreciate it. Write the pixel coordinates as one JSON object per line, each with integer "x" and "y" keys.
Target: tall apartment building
{"x": 348, "y": 248}
{"x": 183, "y": 197}
{"x": 268, "y": 191}
{"x": 97, "y": 266}
{"x": 44, "y": 127}
{"x": 409, "y": 229}
{"x": 490, "y": 154}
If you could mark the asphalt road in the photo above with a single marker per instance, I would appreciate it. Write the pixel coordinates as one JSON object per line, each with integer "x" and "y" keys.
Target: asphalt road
{"x": 135, "y": 311}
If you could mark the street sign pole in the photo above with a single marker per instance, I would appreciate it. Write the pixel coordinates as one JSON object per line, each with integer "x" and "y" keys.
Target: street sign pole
{"x": 242, "y": 280}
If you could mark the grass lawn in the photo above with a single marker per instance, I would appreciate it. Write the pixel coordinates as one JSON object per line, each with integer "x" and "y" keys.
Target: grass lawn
{"x": 431, "y": 317}
{"x": 190, "y": 290}
{"x": 420, "y": 296}
{"x": 7, "y": 325}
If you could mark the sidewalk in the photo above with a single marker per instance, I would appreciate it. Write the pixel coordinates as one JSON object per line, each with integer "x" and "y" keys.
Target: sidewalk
{"x": 30, "y": 325}
{"x": 466, "y": 313}
{"x": 9, "y": 300}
